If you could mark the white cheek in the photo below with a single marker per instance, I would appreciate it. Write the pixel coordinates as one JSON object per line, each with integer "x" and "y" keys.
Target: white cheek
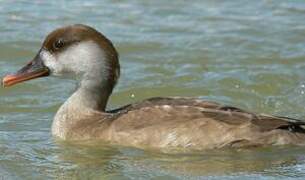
{"x": 74, "y": 59}
{"x": 50, "y": 61}
{"x": 77, "y": 60}
{"x": 82, "y": 58}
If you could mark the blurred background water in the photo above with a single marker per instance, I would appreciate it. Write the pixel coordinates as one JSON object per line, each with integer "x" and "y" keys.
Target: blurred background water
{"x": 250, "y": 54}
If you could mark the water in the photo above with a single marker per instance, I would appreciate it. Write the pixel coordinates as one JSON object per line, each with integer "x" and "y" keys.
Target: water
{"x": 250, "y": 54}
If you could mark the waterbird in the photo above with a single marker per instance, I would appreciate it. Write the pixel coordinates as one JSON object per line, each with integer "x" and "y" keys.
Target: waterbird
{"x": 82, "y": 53}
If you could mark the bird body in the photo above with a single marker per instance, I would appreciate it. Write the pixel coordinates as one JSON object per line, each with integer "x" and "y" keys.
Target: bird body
{"x": 84, "y": 54}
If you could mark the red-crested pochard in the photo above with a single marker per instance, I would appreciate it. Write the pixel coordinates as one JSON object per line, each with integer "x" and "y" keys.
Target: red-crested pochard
{"x": 82, "y": 53}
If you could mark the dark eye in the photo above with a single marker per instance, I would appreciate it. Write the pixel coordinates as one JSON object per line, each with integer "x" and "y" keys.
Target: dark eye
{"x": 58, "y": 44}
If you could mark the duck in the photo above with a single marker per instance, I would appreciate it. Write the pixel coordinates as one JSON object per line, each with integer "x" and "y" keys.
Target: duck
{"x": 82, "y": 53}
